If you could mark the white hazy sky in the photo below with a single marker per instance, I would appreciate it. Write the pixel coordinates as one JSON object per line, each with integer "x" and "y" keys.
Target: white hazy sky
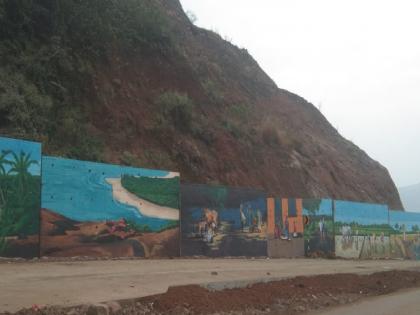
{"x": 358, "y": 60}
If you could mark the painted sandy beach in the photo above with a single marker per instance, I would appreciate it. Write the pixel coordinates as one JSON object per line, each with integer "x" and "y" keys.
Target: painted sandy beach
{"x": 145, "y": 207}
{"x": 102, "y": 210}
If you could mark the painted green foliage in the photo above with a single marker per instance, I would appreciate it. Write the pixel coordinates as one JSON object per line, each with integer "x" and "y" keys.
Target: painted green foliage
{"x": 19, "y": 196}
{"x": 161, "y": 191}
{"x": 311, "y": 207}
{"x": 319, "y": 227}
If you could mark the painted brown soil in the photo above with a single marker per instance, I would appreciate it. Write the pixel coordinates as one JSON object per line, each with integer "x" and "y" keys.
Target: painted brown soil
{"x": 292, "y": 296}
{"x": 27, "y": 247}
{"x": 62, "y": 237}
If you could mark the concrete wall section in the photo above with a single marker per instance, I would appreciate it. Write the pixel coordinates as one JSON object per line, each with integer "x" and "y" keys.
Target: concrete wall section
{"x": 319, "y": 227}
{"x": 285, "y": 233}
{"x": 405, "y": 235}
{"x": 220, "y": 221}
{"x": 94, "y": 209}
{"x": 362, "y": 230}
{"x": 20, "y": 194}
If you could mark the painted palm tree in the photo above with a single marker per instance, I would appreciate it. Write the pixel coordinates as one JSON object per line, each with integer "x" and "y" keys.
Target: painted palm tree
{"x": 3, "y": 172}
{"x": 20, "y": 166}
{"x": 4, "y": 162}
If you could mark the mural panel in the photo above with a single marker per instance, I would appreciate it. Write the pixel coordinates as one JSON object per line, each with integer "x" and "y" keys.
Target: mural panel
{"x": 94, "y": 209}
{"x": 361, "y": 230}
{"x": 285, "y": 228}
{"x": 319, "y": 227}
{"x": 405, "y": 235}
{"x": 20, "y": 194}
{"x": 221, "y": 221}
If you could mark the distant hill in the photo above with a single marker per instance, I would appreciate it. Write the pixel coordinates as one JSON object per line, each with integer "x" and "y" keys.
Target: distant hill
{"x": 410, "y": 196}
{"x": 135, "y": 82}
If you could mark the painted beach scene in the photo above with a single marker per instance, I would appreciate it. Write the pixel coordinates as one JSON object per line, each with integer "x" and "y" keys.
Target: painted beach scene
{"x": 405, "y": 235}
{"x": 361, "y": 230}
{"x": 20, "y": 197}
{"x": 319, "y": 227}
{"x": 103, "y": 210}
{"x": 221, "y": 221}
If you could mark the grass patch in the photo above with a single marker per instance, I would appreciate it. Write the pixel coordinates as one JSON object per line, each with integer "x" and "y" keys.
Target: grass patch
{"x": 175, "y": 109}
{"x": 161, "y": 191}
{"x": 364, "y": 230}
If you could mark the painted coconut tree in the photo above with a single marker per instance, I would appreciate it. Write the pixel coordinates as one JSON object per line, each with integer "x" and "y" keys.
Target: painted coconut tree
{"x": 20, "y": 183}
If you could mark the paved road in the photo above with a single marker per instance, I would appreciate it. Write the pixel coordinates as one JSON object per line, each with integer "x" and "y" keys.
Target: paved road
{"x": 400, "y": 303}
{"x": 72, "y": 283}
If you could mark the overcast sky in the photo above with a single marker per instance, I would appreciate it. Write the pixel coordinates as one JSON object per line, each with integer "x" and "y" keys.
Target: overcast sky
{"x": 358, "y": 60}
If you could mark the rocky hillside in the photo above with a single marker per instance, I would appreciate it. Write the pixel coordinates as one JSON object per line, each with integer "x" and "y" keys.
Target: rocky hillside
{"x": 135, "y": 82}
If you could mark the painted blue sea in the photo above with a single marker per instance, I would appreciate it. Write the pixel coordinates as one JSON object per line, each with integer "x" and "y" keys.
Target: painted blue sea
{"x": 78, "y": 190}
{"x": 27, "y": 147}
{"x": 361, "y": 213}
{"x": 409, "y": 219}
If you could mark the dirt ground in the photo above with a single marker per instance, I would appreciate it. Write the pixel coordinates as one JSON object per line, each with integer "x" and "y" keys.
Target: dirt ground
{"x": 405, "y": 302}
{"x": 291, "y": 296}
{"x": 69, "y": 283}
{"x": 300, "y": 295}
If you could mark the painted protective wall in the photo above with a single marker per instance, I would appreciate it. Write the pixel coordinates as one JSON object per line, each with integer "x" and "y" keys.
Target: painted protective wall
{"x": 405, "y": 235}
{"x": 319, "y": 227}
{"x": 361, "y": 230}
{"x": 223, "y": 221}
{"x": 285, "y": 228}
{"x": 94, "y": 209}
{"x": 20, "y": 194}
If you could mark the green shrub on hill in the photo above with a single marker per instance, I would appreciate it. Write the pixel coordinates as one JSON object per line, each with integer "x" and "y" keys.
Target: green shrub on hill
{"x": 176, "y": 109}
{"x": 49, "y": 50}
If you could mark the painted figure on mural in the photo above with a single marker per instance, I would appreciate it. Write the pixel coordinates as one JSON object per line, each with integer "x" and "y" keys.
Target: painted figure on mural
{"x": 207, "y": 227}
{"x": 243, "y": 217}
{"x": 277, "y": 230}
{"x": 286, "y": 228}
{"x": 259, "y": 216}
{"x": 250, "y": 216}
{"x": 322, "y": 229}
{"x": 357, "y": 239}
{"x": 236, "y": 227}
{"x": 295, "y": 233}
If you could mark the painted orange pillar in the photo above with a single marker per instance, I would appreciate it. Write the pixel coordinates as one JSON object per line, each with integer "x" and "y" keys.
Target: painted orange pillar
{"x": 299, "y": 219}
{"x": 270, "y": 216}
